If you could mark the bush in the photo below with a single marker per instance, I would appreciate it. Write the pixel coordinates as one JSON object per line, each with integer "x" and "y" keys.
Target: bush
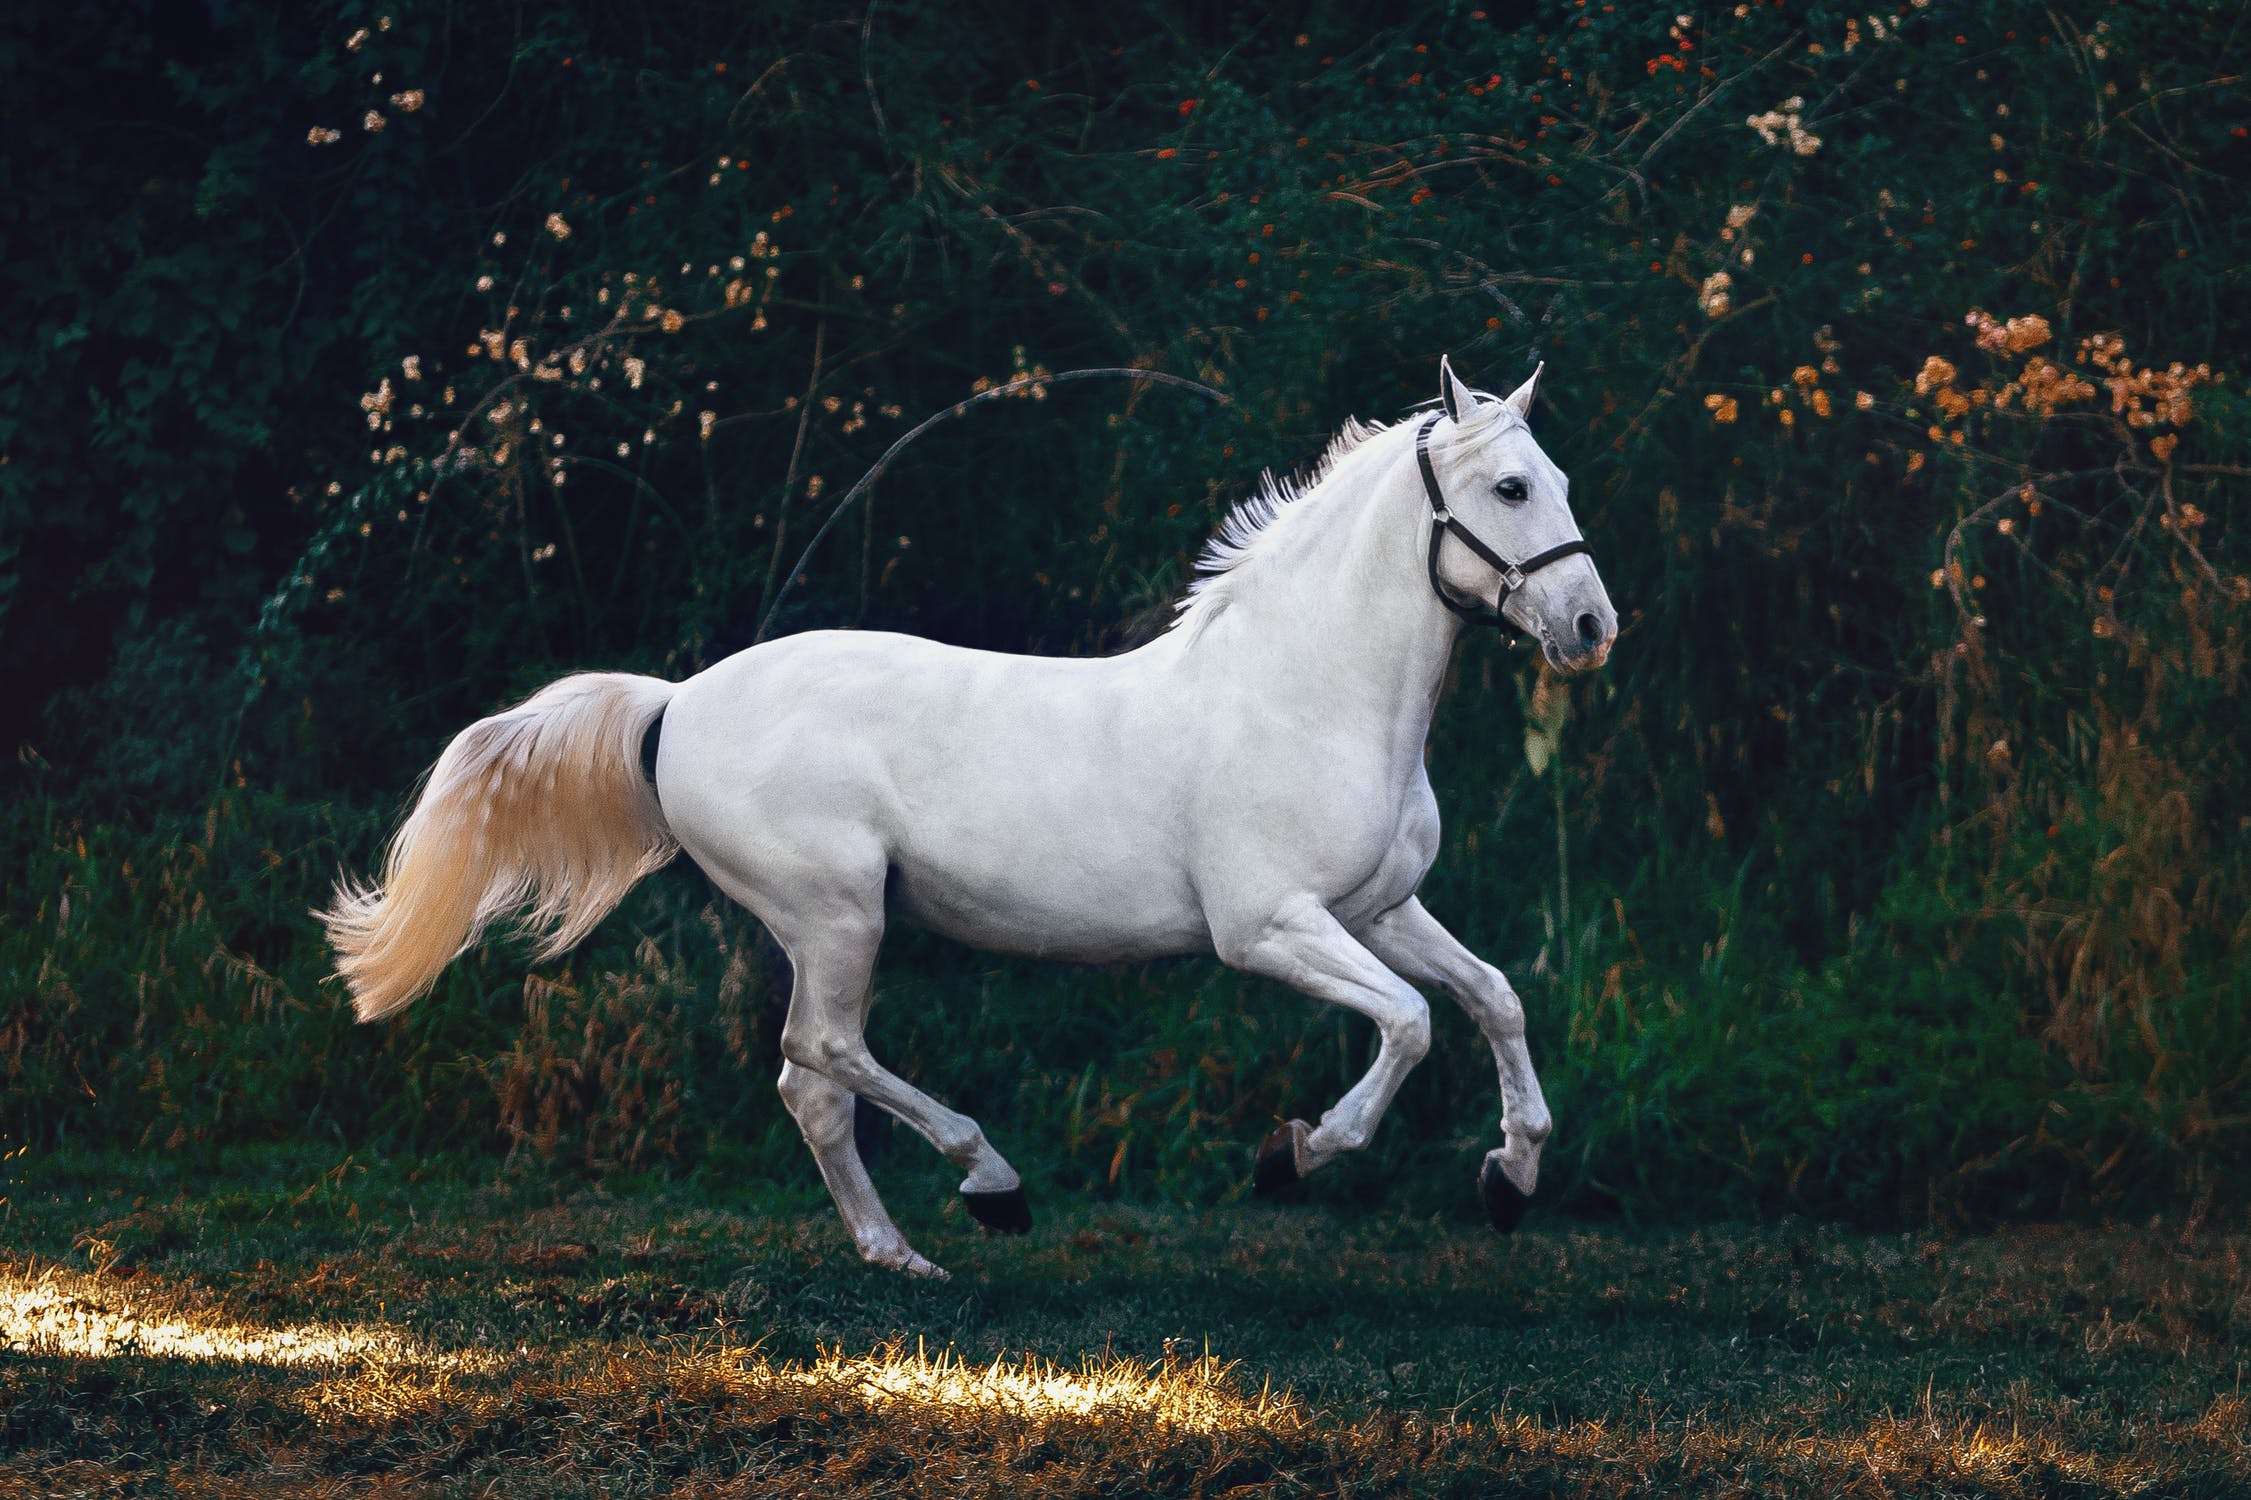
{"x": 1890, "y": 870}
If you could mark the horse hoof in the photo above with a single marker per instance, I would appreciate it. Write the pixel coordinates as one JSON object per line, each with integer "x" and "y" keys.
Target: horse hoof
{"x": 1002, "y": 1213}
{"x": 1276, "y": 1168}
{"x": 1505, "y": 1202}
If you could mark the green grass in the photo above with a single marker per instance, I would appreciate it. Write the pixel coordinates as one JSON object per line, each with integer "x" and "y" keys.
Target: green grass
{"x": 282, "y": 1323}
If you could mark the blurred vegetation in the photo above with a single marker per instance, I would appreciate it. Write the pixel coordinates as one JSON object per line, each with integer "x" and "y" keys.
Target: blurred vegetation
{"x": 374, "y": 366}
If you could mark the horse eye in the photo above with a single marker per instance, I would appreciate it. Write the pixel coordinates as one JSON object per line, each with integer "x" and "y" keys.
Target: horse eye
{"x": 1512, "y": 490}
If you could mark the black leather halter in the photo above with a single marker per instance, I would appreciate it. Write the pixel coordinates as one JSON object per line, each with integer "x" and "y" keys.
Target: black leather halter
{"x": 1443, "y": 524}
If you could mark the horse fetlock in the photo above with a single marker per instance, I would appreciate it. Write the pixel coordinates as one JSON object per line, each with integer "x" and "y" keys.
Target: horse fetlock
{"x": 1519, "y": 1160}
{"x": 1327, "y": 1141}
{"x": 888, "y": 1248}
{"x": 990, "y": 1173}
{"x": 1533, "y": 1125}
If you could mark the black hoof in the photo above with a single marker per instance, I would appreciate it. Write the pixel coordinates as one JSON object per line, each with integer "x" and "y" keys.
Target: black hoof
{"x": 1504, "y": 1201}
{"x": 1276, "y": 1168}
{"x": 1002, "y": 1213}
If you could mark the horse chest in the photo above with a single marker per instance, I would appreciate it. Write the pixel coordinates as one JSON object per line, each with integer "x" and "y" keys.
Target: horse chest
{"x": 1357, "y": 836}
{"x": 1409, "y": 848}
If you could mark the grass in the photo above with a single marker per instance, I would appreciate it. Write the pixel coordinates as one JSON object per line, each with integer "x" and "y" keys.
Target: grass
{"x": 274, "y": 1324}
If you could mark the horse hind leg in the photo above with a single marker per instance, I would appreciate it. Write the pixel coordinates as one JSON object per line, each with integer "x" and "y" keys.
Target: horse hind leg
{"x": 825, "y": 1037}
{"x": 824, "y": 1115}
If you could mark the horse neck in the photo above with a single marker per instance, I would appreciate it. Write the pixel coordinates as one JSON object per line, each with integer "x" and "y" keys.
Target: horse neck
{"x": 1342, "y": 619}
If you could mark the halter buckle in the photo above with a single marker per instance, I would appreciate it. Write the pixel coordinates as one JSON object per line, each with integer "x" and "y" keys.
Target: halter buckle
{"x": 1514, "y": 578}
{"x": 1442, "y": 515}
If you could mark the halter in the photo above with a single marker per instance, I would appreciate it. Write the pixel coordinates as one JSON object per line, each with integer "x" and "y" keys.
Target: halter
{"x": 1443, "y": 524}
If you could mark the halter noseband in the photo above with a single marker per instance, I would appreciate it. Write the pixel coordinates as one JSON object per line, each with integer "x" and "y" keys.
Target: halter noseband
{"x": 1443, "y": 524}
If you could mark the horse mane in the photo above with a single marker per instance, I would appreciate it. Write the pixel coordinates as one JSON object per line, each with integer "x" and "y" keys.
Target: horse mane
{"x": 1236, "y": 541}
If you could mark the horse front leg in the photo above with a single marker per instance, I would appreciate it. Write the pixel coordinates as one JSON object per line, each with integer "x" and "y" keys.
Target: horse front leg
{"x": 1305, "y": 947}
{"x": 1410, "y": 940}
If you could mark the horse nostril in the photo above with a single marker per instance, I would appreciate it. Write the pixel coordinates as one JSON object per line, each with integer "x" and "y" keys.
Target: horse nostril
{"x": 1590, "y": 632}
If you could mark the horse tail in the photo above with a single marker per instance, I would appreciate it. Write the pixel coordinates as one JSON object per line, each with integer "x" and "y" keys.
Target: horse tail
{"x": 541, "y": 811}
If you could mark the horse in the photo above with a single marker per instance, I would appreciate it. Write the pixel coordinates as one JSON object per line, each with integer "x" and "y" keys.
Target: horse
{"x": 1249, "y": 784}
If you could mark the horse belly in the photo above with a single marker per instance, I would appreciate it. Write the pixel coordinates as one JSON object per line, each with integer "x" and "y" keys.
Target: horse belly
{"x": 1070, "y": 915}
{"x": 1018, "y": 888}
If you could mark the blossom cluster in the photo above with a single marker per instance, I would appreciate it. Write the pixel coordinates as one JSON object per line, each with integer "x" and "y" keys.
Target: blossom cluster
{"x": 2147, "y": 396}
{"x": 1784, "y": 125}
{"x": 1028, "y": 381}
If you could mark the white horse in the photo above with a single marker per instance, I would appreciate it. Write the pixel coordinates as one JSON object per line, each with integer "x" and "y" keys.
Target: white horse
{"x": 1249, "y": 784}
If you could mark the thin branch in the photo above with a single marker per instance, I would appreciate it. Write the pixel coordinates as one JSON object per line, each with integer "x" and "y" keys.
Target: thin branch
{"x": 1020, "y": 386}
{"x": 789, "y": 483}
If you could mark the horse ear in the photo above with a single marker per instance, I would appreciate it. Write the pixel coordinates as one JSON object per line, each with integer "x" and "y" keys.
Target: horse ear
{"x": 1520, "y": 399}
{"x": 1453, "y": 395}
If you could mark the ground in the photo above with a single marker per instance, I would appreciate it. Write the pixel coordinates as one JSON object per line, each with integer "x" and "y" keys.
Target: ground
{"x": 281, "y": 1325}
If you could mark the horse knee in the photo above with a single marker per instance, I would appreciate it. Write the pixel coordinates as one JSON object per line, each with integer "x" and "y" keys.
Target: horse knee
{"x": 1503, "y": 1011}
{"x": 1408, "y": 1031}
{"x": 823, "y": 1110}
{"x": 826, "y": 1053}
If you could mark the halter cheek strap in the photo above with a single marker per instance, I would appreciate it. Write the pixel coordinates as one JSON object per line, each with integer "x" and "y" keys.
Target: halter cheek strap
{"x": 1443, "y": 524}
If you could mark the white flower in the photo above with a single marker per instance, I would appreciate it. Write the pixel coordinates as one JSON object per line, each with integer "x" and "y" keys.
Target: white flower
{"x": 1784, "y": 125}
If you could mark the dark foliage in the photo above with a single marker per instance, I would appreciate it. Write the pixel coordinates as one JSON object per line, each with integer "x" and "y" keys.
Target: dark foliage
{"x": 371, "y": 368}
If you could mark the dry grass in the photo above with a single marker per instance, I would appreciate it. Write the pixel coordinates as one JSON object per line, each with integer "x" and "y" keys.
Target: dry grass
{"x": 375, "y": 1336}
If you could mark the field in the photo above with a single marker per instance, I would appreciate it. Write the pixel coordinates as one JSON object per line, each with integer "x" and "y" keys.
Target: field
{"x": 281, "y": 1324}
{"x": 1879, "y": 909}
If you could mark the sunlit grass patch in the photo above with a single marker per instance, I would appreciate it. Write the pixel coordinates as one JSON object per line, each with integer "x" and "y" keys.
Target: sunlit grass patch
{"x": 56, "y": 1311}
{"x": 1197, "y": 1395}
